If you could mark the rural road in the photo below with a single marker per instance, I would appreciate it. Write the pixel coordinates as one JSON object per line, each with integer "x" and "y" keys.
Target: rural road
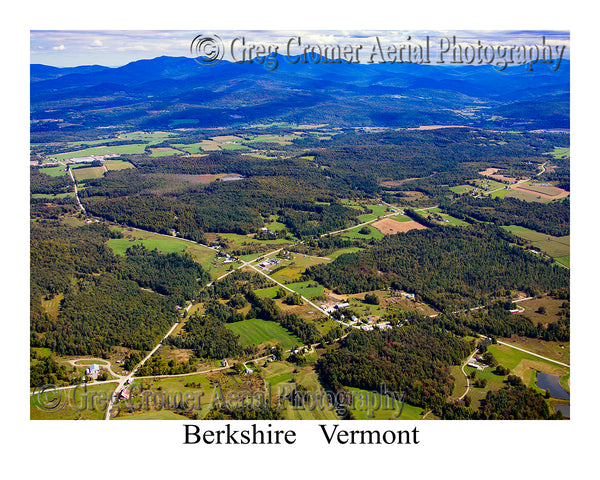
{"x": 75, "y": 187}
{"x": 465, "y": 374}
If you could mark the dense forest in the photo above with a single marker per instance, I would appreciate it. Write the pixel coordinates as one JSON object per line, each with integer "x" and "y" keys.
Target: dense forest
{"x": 449, "y": 268}
{"x": 552, "y": 219}
{"x": 413, "y": 360}
{"x": 102, "y": 301}
{"x": 208, "y": 337}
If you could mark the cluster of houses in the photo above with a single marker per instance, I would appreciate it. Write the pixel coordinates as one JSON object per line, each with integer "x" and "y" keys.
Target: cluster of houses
{"x": 380, "y": 326}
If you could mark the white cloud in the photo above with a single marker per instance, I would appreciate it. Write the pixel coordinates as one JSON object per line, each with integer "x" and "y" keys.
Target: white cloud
{"x": 60, "y": 47}
{"x": 97, "y": 43}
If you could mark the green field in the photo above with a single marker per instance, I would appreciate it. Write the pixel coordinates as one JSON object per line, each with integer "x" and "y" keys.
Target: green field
{"x": 51, "y": 195}
{"x": 54, "y": 171}
{"x": 274, "y": 225}
{"x": 117, "y": 164}
{"x": 304, "y": 289}
{"x": 566, "y": 261}
{"x": 134, "y": 148}
{"x": 460, "y": 189}
{"x": 233, "y": 146}
{"x": 87, "y": 173}
{"x": 561, "y": 152}
{"x": 401, "y": 218}
{"x": 378, "y": 210}
{"x": 269, "y": 292}
{"x": 120, "y": 245}
{"x": 256, "y": 332}
{"x": 367, "y": 217}
{"x": 450, "y": 220}
{"x": 353, "y": 233}
{"x": 556, "y": 247}
{"x": 499, "y": 193}
{"x": 518, "y": 362}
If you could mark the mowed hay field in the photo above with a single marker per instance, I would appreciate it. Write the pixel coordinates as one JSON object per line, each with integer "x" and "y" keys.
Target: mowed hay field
{"x": 556, "y": 247}
{"x": 549, "y": 192}
{"x": 257, "y": 332}
{"x": 87, "y": 173}
{"x": 389, "y": 226}
{"x": 117, "y": 164}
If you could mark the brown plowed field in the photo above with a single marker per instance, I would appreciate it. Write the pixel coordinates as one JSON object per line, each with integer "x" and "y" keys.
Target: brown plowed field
{"x": 389, "y": 226}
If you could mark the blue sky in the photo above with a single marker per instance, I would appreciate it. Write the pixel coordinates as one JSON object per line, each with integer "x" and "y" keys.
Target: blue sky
{"x": 64, "y": 48}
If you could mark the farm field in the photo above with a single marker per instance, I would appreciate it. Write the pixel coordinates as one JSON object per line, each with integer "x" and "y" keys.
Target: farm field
{"x": 87, "y": 173}
{"x": 54, "y": 171}
{"x": 258, "y": 332}
{"x": 555, "y": 247}
{"x": 379, "y": 210}
{"x": 274, "y": 225}
{"x": 558, "y": 351}
{"x": 310, "y": 289}
{"x": 354, "y": 233}
{"x": 55, "y": 195}
{"x": 549, "y": 306}
{"x": 547, "y": 192}
{"x": 565, "y": 261}
{"x": 130, "y": 149}
{"x": 388, "y": 226}
{"x": 561, "y": 152}
{"x": 523, "y": 364}
{"x": 117, "y": 164}
{"x": 460, "y": 189}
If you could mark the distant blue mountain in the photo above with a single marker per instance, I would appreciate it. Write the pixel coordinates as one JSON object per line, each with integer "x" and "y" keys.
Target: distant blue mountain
{"x": 164, "y": 91}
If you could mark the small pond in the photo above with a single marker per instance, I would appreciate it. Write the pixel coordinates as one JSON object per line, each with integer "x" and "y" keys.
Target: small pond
{"x": 546, "y": 381}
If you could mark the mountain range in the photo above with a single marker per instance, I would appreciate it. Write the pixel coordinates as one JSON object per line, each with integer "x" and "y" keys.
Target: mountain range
{"x": 167, "y": 92}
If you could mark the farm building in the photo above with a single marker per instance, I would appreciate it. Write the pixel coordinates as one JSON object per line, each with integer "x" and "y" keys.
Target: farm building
{"x": 124, "y": 394}
{"x": 475, "y": 365}
{"x": 92, "y": 369}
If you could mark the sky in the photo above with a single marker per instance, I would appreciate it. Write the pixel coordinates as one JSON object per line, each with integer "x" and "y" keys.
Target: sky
{"x": 64, "y": 48}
